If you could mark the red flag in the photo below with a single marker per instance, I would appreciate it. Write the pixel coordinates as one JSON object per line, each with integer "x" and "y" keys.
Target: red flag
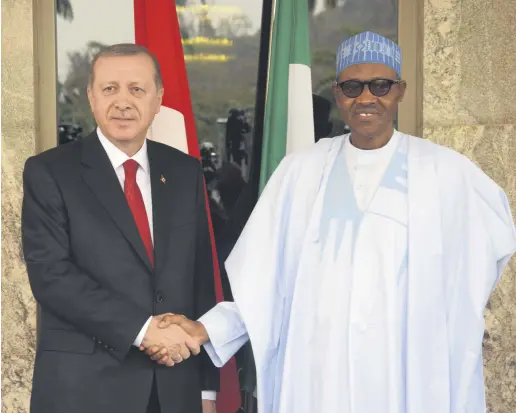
{"x": 157, "y": 28}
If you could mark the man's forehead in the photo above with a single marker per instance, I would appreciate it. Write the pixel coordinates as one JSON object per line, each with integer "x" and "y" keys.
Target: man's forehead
{"x": 128, "y": 68}
{"x": 125, "y": 62}
{"x": 365, "y": 71}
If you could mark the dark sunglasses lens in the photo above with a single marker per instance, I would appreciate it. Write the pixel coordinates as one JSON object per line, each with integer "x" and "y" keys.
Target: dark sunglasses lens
{"x": 380, "y": 87}
{"x": 351, "y": 88}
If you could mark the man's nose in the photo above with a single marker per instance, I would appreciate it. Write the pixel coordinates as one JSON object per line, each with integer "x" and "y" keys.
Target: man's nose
{"x": 123, "y": 101}
{"x": 366, "y": 97}
{"x": 122, "y": 104}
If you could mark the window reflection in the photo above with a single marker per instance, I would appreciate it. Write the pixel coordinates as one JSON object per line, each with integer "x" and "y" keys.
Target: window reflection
{"x": 221, "y": 42}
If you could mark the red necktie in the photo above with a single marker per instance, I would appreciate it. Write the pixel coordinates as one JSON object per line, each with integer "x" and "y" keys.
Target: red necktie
{"x": 135, "y": 201}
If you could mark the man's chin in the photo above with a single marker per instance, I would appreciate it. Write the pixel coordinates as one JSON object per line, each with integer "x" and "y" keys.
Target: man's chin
{"x": 367, "y": 131}
{"x": 123, "y": 134}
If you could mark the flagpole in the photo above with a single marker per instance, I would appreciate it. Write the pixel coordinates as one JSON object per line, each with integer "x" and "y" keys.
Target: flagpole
{"x": 261, "y": 94}
{"x": 249, "y": 405}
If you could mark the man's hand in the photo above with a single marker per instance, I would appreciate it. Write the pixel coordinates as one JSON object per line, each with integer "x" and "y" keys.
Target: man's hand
{"x": 171, "y": 343}
{"x": 194, "y": 329}
{"x": 209, "y": 406}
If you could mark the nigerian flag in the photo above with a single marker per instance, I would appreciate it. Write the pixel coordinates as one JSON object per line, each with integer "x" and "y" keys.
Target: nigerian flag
{"x": 288, "y": 124}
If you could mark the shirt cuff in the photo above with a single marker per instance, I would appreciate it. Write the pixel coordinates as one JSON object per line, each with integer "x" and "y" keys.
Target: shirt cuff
{"x": 141, "y": 335}
{"x": 209, "y": 395}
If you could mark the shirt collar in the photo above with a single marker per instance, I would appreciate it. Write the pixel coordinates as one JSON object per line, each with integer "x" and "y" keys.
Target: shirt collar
{"x": 362, "y": 157}
{"x": 117, "y": 157}
{"x": 388, "y": 147}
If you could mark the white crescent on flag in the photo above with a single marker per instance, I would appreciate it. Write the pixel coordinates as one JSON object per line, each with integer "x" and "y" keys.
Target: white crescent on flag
{"x": 169, "y": 128}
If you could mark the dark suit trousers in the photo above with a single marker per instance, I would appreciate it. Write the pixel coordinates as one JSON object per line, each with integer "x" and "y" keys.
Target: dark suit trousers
{"x": 153, "y": 406}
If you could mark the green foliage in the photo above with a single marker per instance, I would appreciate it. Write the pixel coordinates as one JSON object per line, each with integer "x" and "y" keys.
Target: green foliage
{"x": 64, "y": 9}
{"x": 73, "y": 105}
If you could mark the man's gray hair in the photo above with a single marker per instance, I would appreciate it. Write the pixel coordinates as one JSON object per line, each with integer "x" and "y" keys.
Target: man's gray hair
{"x": 126, "y": 49}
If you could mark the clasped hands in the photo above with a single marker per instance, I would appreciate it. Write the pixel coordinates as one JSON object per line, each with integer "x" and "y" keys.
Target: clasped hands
{"x": 171, "y": 339}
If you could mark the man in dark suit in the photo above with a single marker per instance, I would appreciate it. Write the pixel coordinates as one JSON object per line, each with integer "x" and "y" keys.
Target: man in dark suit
{"x": 115, "y": 234}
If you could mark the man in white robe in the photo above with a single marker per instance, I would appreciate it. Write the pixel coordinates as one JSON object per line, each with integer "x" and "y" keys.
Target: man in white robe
{"x": 362, "y": 275}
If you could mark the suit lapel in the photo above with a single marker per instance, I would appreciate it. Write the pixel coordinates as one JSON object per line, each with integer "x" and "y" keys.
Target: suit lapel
{"x": 158, "y": 187}
{"x": 163, "y": 186}
{"x": 172, "y": 198}
{"x": 99, "y": 175}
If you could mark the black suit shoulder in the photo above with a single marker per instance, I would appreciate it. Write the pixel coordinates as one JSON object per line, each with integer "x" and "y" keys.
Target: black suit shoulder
{"x": 58, "y": 154}
{"x": 66, "y": 159}
{"x": 54, "y": 166}
{"x": 174, "y": 160}
{"x": 173, "y": 154}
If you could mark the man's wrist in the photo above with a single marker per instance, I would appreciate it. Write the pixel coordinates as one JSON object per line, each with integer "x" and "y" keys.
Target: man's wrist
{"x": 141, "y": 335}
{"x": 202, "y": 334}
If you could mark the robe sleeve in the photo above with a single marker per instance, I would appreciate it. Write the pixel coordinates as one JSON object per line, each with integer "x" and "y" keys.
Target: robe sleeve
{"x": 226, "y": 330}
{"x": 255, "y": 267}
{"x": 478, "y": 251}
{"x": 496, "y": 217}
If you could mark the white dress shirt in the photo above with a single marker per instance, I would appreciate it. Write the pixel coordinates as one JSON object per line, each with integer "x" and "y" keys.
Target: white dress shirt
{"x": 117, "y": 158}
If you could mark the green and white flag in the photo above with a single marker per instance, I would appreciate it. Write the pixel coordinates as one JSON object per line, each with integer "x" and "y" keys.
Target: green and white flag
{"x": 289, "y": 122}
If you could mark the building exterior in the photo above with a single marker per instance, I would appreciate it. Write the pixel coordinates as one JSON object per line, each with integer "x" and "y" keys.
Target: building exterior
{"x": 459, "y": 59}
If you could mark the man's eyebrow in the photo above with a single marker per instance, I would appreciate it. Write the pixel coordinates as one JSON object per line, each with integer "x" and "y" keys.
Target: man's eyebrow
{"x": 109, "y": 82}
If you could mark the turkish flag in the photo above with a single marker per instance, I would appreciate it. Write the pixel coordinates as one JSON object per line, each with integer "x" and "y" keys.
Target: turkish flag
{"x": 157, "y": 28}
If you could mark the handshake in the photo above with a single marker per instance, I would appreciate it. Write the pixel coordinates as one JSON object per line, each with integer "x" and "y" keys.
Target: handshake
{"x": 171, "y": 338}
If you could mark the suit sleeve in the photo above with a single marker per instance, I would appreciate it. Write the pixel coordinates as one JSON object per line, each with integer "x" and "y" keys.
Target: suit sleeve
{"x": 56, "y": 282}
{"x": 204, "y": 280}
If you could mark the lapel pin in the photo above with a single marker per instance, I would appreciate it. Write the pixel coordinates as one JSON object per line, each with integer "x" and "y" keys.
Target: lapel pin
{"x": 163, "y": 179}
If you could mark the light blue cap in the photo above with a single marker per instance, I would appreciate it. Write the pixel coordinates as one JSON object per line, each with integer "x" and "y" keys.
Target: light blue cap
{"x": 368, "y": 47}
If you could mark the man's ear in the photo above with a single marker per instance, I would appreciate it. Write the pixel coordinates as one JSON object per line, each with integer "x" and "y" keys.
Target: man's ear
{"x": 336, "y": 93}
{"x": 90, "y": 96}
{"x": 160, "y": 93}
{"x": 403, "y": 88}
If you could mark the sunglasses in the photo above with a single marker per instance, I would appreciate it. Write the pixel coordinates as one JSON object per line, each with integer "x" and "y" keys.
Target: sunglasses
{"x": 378, "y": 87}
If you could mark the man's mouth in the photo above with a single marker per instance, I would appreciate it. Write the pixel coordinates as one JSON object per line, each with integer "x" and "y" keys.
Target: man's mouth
{"x": 366, "y": 115}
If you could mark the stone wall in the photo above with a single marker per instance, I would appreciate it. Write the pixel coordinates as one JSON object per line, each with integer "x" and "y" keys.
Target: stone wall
{"x": 18, "y": 143}
{"x": 469, "y": 61}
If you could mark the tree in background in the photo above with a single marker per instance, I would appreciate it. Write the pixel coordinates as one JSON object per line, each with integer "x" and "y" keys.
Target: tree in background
{"x": 329, "y": 4}
{"x": 64, "y": 9}
{"x": 73, "y": 105}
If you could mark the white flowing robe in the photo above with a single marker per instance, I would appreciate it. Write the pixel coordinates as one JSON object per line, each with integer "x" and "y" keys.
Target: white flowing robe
{"x": 379, "y": 310}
